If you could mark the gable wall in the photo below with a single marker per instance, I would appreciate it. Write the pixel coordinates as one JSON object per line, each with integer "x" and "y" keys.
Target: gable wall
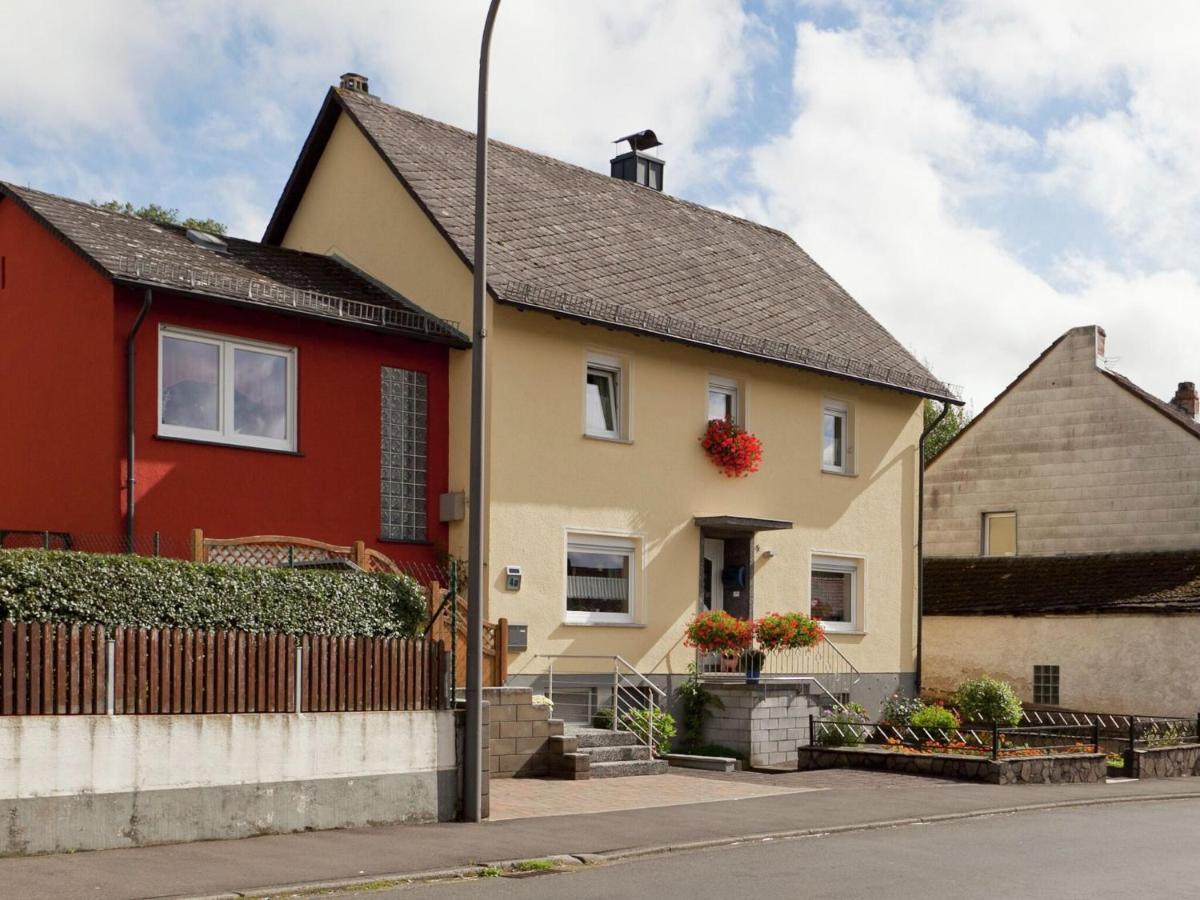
{"x": 1087, "y": 466}
{"x": 60, "y": 386}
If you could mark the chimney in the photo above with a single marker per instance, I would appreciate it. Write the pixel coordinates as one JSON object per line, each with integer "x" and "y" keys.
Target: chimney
{"x": 637, "y": 166}
{"x": 352, "y": 81}
{"x": 1187, "y": 400}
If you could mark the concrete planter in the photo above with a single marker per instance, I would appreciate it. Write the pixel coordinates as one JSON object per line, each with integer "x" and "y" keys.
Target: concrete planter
{"x": 1067, "y": 768}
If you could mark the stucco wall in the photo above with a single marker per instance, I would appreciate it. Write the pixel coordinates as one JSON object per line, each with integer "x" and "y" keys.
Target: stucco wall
{"x": 1110, "y": 663}
{"x": 548, "y": 479}
{"x": 89, "y": 782}
{"x": 1087, "y": 466}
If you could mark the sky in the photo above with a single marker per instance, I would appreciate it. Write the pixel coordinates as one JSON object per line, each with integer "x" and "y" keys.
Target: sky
{"x": 980, "y": 175}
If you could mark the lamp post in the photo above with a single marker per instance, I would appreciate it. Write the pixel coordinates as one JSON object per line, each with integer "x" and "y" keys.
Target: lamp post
{"x": 473, "y": 755}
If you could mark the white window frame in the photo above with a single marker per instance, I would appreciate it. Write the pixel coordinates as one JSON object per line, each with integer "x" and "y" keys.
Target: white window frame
{"x": 730, "y": 387}
{"x": 629, "y": 545}
{"x": 825, "y": 562}
{"x": 224, "y": 433}
{"x": 841, "y": 409}
{"x": 618, "y": 370}
{"x": 985, "y": 540}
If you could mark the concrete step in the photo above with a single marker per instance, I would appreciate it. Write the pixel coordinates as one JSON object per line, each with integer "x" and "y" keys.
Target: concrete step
{"x": 571, "y": 766}
{"x": 603, "y": 737}
{"x": 563, "y": 743}
{"x": 628, "y": 767}
{"x": 622, "y": 753}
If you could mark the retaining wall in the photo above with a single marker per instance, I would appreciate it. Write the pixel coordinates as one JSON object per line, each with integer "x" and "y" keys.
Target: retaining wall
{"x": 1164, "y": 762}
{"x": 1067, "y": 768}
{"x": 94, "y": 782}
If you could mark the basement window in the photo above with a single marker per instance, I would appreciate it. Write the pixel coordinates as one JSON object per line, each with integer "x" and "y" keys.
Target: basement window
{"x": 1045, "y": 685}
{"x": 226, "y": 390}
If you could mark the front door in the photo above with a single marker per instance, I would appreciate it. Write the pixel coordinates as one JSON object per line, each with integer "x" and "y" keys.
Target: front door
{"x": 713, "y": 591}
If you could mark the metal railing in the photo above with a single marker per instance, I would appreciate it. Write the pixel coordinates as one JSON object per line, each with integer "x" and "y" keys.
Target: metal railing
{"x": 972, "y": 739}
{"x": 621, "y": 700}
{"x": 1120, "y": 732}
{"x": 822, "y": 665}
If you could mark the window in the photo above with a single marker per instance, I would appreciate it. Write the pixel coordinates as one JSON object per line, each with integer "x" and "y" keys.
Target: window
{"x": 600, "y": 579}
{"x": 604, "y": 399}
{"x": 723, "y": 400}
{"x": 834, "y": 594}
{"x": 835, "y": 438}
{"x": 1045, "y": 685}
{"x": 403, "y": 487}
{"x": 1000, "y": 534}
{"x": 226, "y": 390}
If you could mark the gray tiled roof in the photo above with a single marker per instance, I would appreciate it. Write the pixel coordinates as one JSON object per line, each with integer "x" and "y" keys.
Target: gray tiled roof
{"x": 573, "y": 241}
{"x": 126, "y": 248}
{"x": 1164, "y": 581}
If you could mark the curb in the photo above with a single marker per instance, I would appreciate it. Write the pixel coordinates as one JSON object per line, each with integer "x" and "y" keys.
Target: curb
{"x": 476, "y": 870}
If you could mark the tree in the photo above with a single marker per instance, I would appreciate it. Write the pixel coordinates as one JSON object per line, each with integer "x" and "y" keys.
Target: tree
{"x": 955, "y": 421}
{"x": 164, "y": 215}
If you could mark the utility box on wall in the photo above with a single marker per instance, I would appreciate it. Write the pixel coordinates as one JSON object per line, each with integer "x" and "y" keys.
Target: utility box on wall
{"x": 518, "y": 637}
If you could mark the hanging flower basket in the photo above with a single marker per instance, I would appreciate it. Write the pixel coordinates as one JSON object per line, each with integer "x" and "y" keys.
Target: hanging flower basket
{"x": 786, "y": 631}
{"x": 732, "y": 449}
{"x": 719, "y": 632}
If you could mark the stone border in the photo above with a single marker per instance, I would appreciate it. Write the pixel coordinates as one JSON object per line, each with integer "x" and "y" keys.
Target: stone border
{"x": 1065, "y": 768}
{"x": 1164, "y": 762}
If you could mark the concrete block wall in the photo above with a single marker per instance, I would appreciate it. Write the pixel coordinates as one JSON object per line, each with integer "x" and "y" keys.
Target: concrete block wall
{"x": 519, "y": 734}
{"x": 767, "y": 722}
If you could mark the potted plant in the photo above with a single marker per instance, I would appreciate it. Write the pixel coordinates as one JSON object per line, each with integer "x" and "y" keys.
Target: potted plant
{"x": 787, "y": 631}
{"x": 732, "y": 449}
{"x": 754, "y": 661}
{"x": 716, "y": 631}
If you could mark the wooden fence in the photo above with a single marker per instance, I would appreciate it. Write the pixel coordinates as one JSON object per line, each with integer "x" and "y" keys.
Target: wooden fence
{"x": 56, "y": 669}
{"x": 495, "y": 638}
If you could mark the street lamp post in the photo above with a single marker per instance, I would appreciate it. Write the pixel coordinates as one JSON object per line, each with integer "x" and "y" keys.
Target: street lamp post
{"x": 473, "y": 755}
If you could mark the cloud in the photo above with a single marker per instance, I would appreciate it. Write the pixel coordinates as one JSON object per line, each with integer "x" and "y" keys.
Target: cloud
{"x": 881, "y": 172}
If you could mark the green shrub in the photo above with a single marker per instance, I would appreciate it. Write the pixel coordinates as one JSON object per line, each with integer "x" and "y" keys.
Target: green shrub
{"x": 840, "y": 729}
{"x": 136, "y": 591}
{"x": 695, "y": 699}
{"x": 602, "y": 718}
{"x": 934, "y": 717}
{"x": 898, "y": 709}
{"x": 638, "y": 721}
{"x": 987, "y": 700}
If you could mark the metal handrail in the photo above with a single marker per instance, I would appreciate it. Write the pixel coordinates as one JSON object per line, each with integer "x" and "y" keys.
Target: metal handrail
{"x": 620, "y": 681}
{"x": 613, "y": 657}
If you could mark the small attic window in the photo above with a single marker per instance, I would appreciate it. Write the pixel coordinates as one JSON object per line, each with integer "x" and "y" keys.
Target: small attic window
{"x": 207, "y": 241}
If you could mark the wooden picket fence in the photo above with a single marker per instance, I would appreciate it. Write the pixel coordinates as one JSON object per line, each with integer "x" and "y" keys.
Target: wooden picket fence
{"x": 58, "y": 669}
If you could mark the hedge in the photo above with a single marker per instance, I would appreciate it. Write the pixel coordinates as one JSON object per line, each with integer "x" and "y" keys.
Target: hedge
{"x": 136, "y": 591}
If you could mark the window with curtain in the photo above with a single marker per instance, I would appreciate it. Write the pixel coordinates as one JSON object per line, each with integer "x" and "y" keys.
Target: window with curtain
{"x": 600, "y": 579}
{"x": 226, "y": 390}
{"x": 834, "y": 593}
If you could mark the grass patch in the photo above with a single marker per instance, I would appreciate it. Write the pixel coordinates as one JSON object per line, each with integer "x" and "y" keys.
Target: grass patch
{"x": 489, "y": 872}
{"x": 533, "y": 865}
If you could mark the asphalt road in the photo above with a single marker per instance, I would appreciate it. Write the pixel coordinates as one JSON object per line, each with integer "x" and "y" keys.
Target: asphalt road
{"x": 1125, "y": 850}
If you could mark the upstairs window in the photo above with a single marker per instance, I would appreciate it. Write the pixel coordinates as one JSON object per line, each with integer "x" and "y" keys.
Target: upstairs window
{"x": 724, "y": 400}
{"x": 1000, "y": 534}
{"x": 604, "y": 398}
{"x": 226, "y": 390}
{"x": 835, "y": 438}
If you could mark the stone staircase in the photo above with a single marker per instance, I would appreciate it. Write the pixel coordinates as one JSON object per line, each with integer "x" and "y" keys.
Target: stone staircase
{"x": 582, "y": 753}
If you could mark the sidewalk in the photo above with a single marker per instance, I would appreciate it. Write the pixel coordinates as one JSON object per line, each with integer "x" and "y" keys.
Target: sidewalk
{"x": 217, "y": 867}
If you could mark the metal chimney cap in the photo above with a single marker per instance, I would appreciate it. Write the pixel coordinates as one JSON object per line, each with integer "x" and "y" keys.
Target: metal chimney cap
{"x": 641, "y": 140}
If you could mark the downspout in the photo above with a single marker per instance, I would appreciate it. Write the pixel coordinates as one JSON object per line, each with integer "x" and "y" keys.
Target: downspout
{"x": 130, "y": 410}
{"x": 921, "y": 538}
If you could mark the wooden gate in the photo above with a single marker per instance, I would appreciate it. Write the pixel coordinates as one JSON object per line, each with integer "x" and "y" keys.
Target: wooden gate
{"x": 495, "y": 638}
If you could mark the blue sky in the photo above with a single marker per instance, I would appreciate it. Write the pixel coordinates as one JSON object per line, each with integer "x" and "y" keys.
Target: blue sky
{"x": 981, "y": 175}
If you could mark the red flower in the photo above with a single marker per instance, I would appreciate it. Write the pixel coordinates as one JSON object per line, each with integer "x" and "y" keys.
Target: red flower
{"x": 732, "y": 449}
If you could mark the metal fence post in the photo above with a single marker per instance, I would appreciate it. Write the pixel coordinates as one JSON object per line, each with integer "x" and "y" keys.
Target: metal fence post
{"x": 616, "y": 690}
{"x": 812, "y": 738}
{"x": 1096, "y": 736}
{"x": 995, "y": 741}
{"x": 297, "y": 692}
{"x": 157, "y": 543}
{"x": 110, "y": 676}
{"x": 45, "y": 540}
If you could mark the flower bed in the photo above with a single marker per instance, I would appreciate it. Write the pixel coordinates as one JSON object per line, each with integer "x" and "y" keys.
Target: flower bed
{"x": 1060, "y": 768}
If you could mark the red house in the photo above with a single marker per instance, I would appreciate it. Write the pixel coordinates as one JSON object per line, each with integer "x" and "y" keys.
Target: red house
{"x": 219, "y": 383}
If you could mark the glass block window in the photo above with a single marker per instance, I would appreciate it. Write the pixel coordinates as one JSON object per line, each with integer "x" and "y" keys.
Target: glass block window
{"x": 1045, "y": 685}
{"x": 403, "y": 468}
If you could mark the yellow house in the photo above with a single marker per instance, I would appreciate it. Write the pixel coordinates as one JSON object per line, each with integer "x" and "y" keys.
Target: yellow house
{"x": 621, "y": 320}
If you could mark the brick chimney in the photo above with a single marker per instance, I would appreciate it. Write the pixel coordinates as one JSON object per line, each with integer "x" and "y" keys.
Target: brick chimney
{"x": 352, "y": 81}
{"x": 1186, "y": 399}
